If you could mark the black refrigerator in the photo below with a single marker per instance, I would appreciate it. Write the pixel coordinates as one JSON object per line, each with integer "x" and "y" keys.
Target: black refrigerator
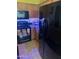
{"x": 51, "y": 28}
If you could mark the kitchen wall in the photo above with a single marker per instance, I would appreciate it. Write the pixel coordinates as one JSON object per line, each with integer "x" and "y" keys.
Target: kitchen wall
{"x": 33, "y": 9}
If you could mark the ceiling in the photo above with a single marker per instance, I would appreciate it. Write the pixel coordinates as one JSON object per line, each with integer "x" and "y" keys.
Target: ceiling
{"x": 32, "y": 1}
